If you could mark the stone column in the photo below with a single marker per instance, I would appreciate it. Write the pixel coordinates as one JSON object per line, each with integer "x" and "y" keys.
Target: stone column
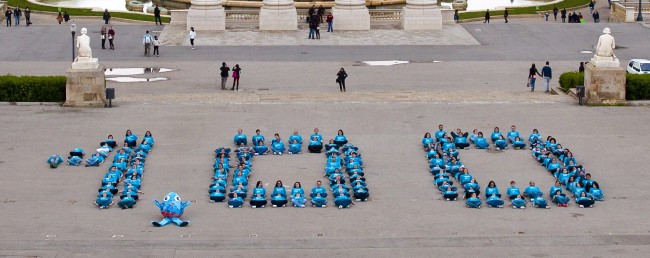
{"x": 278, "y": 15}
{"x": 421, "y": 15}
{"x": 206, "y": 15}
{"x": 350, "y": 15}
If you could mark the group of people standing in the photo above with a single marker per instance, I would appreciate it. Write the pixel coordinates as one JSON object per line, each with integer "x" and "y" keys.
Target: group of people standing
{"x": 315, "y": 18}
{"x": 17, "y": 13}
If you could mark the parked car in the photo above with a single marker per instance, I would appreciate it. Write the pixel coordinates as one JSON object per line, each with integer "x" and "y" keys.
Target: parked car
{"x": 639, "y": 66}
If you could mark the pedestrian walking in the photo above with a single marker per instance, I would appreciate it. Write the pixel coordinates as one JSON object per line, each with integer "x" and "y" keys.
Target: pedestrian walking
{"x": 103, "y": 33}
{"x": 192, "y": 37}
{"x": 532, "y": 76}
{"x": 330, "y": 21}
{"x": 340, "y": 79}
{"x": 156, "y": 15}
{"x": 106, "y": 16}
{"x": 224, "y": 74}
{"x": 17, "y": 14}
{"x": 59, "y": 18}
{"x": 563, "y": 16}
{"x": 547, "y": 74}
{"x": 591, "y": 7}
{"x": 596, "y": 16}
{"x": 546, "y": 14}
{"x": 236, "y": 73}
{"x": 111, "y": 36}
{"x": 505, "y": 15}
{"x": 487, "y": 16}
{"x": 555, "y": 10}
{"x": 456, "y": 17}
{"x": 28, "y": 14}
{"x": 156, "y": 45}
{"x": 8, "y": 14}
{"x": 581, "y": 68}
{"x": 66, "y": 17}
{"x": 146, "y": 41}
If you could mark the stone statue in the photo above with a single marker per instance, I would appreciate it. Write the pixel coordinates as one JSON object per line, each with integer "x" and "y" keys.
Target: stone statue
{"x": 83, "y": 45}
{"x": 604, "y": 56}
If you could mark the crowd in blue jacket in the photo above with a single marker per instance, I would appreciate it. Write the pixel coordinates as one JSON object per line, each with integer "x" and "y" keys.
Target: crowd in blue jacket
{"x": 445, "y": 165}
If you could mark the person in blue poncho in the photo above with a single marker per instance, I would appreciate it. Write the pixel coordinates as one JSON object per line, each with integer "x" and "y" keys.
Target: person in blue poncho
{"x": 317, "y": 135}
{"x": 532, "y": 191}
{"x": 559, "y": 198}
{"x": 442, "y": 179}
{"x": 512, "y": 134}
{"x": 260, "y": 148}
{"x": 331, "y": 146}
{"x": 144, "y": 146}
{"x": 277, "y": 146}
{"x": 440, "y": 134}
{"x": 480, "y": 142}
{"x": 104, "y": 200}
{"x": 240, "y": 138}
{"x": 518, "y": 202}
{"x": 76, "y": 157}
{"x": 450, "y": 193}
{"x": 473, "y": 201}
{"x": 540, "y": 202}
{"x": 494, "y": 201}
{"x": 295, "y": 137}
{"x": 512, "y": 191}
{"x": 501, "y": 143}
{"x": 315, "y": 145}
{"x": 340, "y": 138}
{"x": 534, "y": 138}
{"x": 585, "y": 201}
{"x": 298, "y": 200}
{"x": 54, "y": 160}
{"x": 360, "y": 192}
{"x": 460, "y": 139}
{"x": 297, "y": 189}
{"x": 257, "y": 138}
{"x": 295, "y": 147}
{"x": 594, "y": 191}
{"x": 110, "y": 142}
{"x": 318, "y": 189}
{"x": 258, "y": 198}
{"x": 235, "y": 201}
{"x": 342, "y": 201}
{"x": 95, "y": 160}
{"x": 518, "y": 143}
{"x": 217, "y": 193}
{"x": 149, "y": 138}
{"x": 492, "y": 189}
{"x": 279, "y": 195}
{"x": 427, "y": 140}
{"x": 473, "y": 136}
{"x": 130, "y": 139}
{"x": 553, "y": 167}
{"x": 496, "y": 134}
{"x": 126, "y": 202}
{"x": 319, "y": 201}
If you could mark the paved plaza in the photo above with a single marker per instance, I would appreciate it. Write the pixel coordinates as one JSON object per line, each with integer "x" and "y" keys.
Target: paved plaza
{"x": 473, "y": 77}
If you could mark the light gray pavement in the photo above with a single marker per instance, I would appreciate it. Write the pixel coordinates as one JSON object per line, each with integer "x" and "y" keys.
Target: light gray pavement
{"x": 386, "y": 111}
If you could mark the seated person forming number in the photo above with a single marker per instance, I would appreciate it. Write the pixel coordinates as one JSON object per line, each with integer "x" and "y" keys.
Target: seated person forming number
{"x": 315, "y": 145}
{"x": 473, "y": 201}
{"x": 460, "y": 139}
{"x": 240, "y": 138}
{"x": 496, "y": 134}
{"x": 277, "y": 146}
{"x": 532, "y": 191}
{"x": 480, "y": 142}
{"x": 279, "y": 195}
{"x": 513, "y": 190}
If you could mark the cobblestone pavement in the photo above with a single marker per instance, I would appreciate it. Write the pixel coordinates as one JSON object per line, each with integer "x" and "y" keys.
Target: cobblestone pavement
{"x": 449, "y": 35}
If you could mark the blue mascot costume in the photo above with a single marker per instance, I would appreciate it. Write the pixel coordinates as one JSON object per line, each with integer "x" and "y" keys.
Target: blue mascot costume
{"x": 172, "y": 209}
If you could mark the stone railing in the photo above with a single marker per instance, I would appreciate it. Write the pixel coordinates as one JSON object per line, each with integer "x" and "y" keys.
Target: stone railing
{"x": 627, "y": 11}
{"x": 242, "y": 19}
{"x": 385, "y": 18}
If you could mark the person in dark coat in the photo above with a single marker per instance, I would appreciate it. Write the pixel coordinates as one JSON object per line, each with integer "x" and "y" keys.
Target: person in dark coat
{"x": 106, "y": 16}
{"x": 487, "y": 16}
{"x": 505, "y": 15}
{"x": 340, "y": 79}
{"x": 156, "y": 14}
{"x": 563, "y": 15}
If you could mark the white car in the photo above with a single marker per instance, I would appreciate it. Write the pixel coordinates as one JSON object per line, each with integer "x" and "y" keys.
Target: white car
{"x": 639, "y": 66}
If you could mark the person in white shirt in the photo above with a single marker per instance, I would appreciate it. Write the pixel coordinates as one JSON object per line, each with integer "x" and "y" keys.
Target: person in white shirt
{"x": 192, "y": 36}
{"x": 146, "y": 41}
{"x": 156, "y": 44}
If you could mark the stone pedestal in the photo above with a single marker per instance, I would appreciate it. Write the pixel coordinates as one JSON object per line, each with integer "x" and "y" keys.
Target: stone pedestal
{"x": 85, "y": 87}
{"x": 604, "y": 85}
{"x": 206, "y": 15}
{"x": 278, "y": 15}
{"x": 599, "y": 61}
{"x": 421, "y": 15}
{"x": 350, "y": 15}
